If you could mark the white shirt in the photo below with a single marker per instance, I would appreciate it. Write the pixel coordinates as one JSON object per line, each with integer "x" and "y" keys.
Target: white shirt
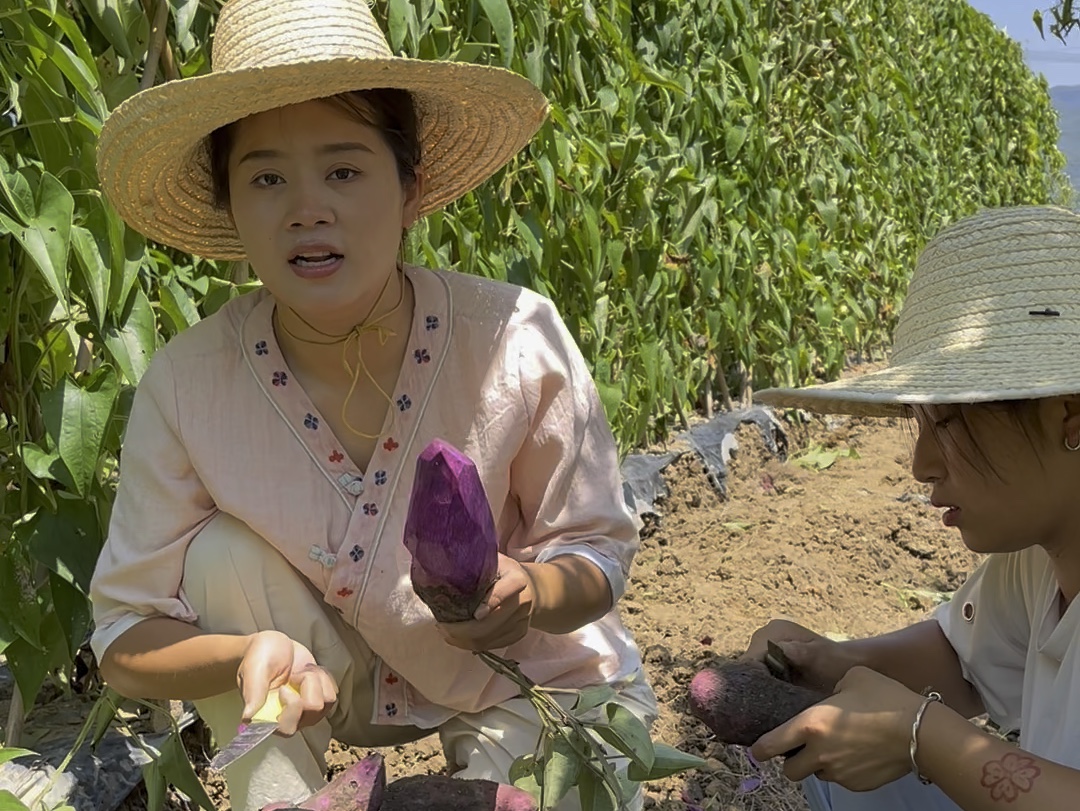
{"x": 1020, "y": 652}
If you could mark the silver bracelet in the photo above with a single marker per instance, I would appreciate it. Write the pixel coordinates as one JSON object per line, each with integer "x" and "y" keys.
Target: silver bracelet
{"x": 913, "y": 748}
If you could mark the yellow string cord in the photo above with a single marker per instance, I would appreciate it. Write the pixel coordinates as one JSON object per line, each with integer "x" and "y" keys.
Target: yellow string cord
{"x": 384, "y": 333}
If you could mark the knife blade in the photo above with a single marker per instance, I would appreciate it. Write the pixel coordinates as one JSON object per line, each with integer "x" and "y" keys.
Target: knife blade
{"x": 263, "y": 724}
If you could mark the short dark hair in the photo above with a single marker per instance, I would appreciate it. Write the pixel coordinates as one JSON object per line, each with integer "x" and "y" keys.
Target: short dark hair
{"x": 389, "y": 110}
{"x": 1024, "y": 414}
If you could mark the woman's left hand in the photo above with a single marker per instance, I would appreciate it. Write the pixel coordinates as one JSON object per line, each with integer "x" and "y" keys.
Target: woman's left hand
{"x": 503, "y": 618}
{"x": 857, "y": 738}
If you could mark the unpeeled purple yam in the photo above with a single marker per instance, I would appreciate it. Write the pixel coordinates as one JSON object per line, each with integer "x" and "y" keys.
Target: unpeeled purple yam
{"x": 741, "y": 701}
{"x": 450, "y": 533}
{"x": 436, "y": 792}
{"x": 361, "y": 787}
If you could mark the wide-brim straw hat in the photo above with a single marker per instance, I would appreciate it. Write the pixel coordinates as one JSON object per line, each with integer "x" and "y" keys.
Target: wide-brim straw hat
{"x": 992, "y": 313}
{"x": 152, "y": 158}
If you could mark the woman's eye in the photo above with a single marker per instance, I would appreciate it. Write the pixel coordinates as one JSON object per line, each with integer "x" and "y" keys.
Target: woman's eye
{"x": 343, "y": 174}
{"x": 268, "y": 179}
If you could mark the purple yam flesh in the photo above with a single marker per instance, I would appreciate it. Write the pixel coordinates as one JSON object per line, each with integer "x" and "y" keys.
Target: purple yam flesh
{"x": 361, "y": 787}
{"x": 450, "y": 533}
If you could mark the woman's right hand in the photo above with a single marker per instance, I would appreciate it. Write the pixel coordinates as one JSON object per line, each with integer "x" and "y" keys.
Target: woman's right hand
{"x": 272, "y": 660}
{"x": 818, "y": 662}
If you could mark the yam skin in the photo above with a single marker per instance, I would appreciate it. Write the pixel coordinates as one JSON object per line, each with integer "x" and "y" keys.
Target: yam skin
{"x": 435, "y": 792}
{"x": 450, "y": 533}
{"x": 741, "y": 701}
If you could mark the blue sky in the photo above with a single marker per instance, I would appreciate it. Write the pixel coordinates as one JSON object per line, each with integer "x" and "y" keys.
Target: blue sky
{"x": 1060, "y": 63}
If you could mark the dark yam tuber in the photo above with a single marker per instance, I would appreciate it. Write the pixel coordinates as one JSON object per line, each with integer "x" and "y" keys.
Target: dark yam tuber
{"x": 450, "y": 534}
{"x": 436, "y": 792}
{"x": 741, "y": 701}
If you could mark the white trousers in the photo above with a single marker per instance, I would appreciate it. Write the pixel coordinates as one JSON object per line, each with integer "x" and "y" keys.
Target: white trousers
{"x": 905, "y": 794}
{"x": 239, "y": 584}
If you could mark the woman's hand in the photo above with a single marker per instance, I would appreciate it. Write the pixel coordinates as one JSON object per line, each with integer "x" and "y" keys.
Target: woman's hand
{"x": 818, "y": 662}
{"x": 857, "y": 738}
{"x": 273, "y": 660}
{"x": 503, "y": 617}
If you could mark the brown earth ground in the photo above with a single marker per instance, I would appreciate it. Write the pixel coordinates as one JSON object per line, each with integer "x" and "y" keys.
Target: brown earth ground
{"x": 852, "y": 549}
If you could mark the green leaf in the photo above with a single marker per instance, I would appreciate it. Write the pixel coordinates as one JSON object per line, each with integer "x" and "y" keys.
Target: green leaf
{"x": 95, "y": 272}
{"x": 67, "y": 542}
{"x": 177, "y": 770}
{"x": 178, "y": 305}
{"x": 609, "y": 100}
{"x": 30, "y": 664}
{"x": 733, "y": 141}
{"x": 16, "y": 193}
{"x": 594, "y": 795}
{"x": 526, "y": 774}
{"x": 102, "y": 714}
{"x": 627, "y": 734}
{"x": 183, "y": 16}
{"x": 44, "y": 464}
{"x": 46, "y": 235}
{"x": 398, "y": 23}
{"x": 589, "y": 698}
{"x": 11, "y": 754}
{"x": 72, "y": 610}
{"x": 119, "y": 21}
{"x": 502, "y": 23}
{"x": 9, "y": 802}
{"x": 154, "y": 779}
{"x": 562, "y": 765}
{"x": 668, "y": 761}
{"x": 133, "y": 345}
{"x": 76, "y": 418}
{"x": 24, "y": 615}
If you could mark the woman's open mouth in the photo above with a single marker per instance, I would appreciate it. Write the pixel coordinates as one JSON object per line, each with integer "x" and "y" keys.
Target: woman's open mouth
{"x": 316, "y": 265}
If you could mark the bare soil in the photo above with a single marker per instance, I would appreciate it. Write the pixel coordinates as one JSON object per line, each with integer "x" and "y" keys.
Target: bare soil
{"x": 853, "y": 549}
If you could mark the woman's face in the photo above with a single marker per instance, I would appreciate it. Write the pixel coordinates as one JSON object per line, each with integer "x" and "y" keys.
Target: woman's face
{"x": 1004, "y": 485}
{"x": 320, "y": 208}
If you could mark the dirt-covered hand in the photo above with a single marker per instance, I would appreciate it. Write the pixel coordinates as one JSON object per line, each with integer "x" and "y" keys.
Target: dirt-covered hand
{"x": 273, "y": 660}
{"x": 502, "y": 618}
{"x": 818, "y": 662}
{"x": 857, "y": 738}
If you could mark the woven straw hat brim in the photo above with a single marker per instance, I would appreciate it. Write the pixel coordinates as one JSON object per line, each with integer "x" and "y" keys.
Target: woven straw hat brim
{"x": 939, "y": 379}
{"x": 992, "y": 313}
{"x": 154, "y": 168}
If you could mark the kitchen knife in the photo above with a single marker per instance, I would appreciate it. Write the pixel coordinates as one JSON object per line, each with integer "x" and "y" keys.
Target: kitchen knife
{"x": 262, "y": 725}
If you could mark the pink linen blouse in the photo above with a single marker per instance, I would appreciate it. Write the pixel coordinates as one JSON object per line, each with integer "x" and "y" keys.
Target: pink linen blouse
{"x": 220, "y": 423}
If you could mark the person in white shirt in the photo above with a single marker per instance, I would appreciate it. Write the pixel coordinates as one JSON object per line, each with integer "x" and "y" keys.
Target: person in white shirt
{"x": 985, "y": 359}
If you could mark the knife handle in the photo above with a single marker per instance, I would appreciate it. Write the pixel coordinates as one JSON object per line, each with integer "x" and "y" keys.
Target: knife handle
{"x": 271, "y": 709}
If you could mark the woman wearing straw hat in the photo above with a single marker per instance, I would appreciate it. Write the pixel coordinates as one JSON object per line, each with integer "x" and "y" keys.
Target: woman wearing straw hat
{"x": 986, "y": 359}
{"x": 268, "y": 460}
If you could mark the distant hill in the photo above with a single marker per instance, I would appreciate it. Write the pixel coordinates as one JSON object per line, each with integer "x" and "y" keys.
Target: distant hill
{"x": 1066, "y": 99}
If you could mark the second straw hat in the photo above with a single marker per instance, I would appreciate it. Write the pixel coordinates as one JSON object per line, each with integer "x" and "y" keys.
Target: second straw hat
{"x": 992, "y": 313}
{"x": 152, "y": 160}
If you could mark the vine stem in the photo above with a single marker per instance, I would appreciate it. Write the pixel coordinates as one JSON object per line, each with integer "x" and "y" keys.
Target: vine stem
{"x": 553, "y": 716}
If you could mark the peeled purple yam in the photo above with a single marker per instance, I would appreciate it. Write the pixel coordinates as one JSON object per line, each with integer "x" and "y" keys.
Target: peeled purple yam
{"x": 361, "y": 787}
{"x": 741, "y": 701}
{"x": 436, "y": 792}
{"x": 450, "y": 533}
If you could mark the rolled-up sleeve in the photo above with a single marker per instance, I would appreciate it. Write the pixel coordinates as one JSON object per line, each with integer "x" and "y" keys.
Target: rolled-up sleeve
{"x": 160, "y": 506}
{"x": 565, "y": 476}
